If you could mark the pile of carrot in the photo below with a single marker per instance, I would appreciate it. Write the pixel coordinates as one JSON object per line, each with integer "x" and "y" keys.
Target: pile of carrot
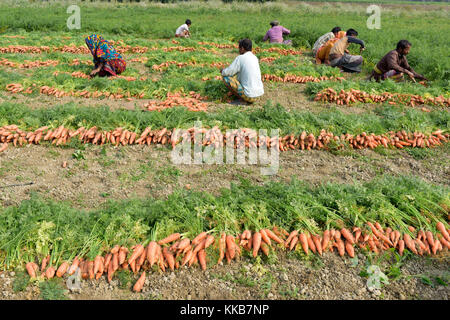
{"x": 175, "y": 251}
{"x": 218, "y": 45}
{"x": 79, "y": 74}
{"x": 50, "y": 91}
{"x": 298, "y": 79}
{"x": 28, "y": 64}
{"x": 243, "y": 138}
{"x": 353, "y": 96}
{"x": 193, "y": 102}
{"x": 68, "y": 49}
{"x": 159, "y": 67}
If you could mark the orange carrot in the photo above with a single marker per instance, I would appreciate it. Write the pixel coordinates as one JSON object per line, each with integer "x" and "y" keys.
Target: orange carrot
{"x": 256, "y": 243}
{"x": 110, "y": 272}
{"x": 341, "y": 247}
{"x": 138, "y": 250}
{"x": 317, "y": 243}
{"x": 115, "y": 249}
{"x": 31, "y": 269}
{"x": 142, "y": 257}
{"x": 222, "y": 244}
{"x": 187, "y": 257}
{"x": 304, "y": 242}
{"x": 74, "y": 266}
{"x": 230, "y": 246}
{"x": 430, "y": 239}
{"x": 97, "y": 262}
{"x": 350, "y": 249}
{"x": 401, "y": 246}
{"x": 293, "y": 243}
{"x": 62, "y": 269}
{"x": 140, "y": 283}
{"x": 409, "y": 243}
{"x": 209, "y": 241}
{"x": 171, "y": 238}
{"x": 199, "y": 238}
{"x": 183, "y": 244}
{"x": 202, "y": 259}
{"x": 151, "y": 252}
{"x": 91, "y": 269}
{"x": 325, "y": 240}
{"x": 169, "y": 258}
{"x": 311, "y": 244}
{"x": 265, "y": 248}
{"x": 291, "y": 235}
{"x": 115, "y": 261}
{"x": 50, "y": 273}
{"x": 273, "y": 236}
{"x": 347, "y": 235}
{"x": 44, "y": 263}
{"x": 265, "y": 237}
{"x": 440, "y": 226}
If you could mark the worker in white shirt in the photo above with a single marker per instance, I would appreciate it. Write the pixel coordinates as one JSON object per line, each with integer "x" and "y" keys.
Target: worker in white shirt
{"x": 243, "y": 76}
{"x": 183, "y": 30}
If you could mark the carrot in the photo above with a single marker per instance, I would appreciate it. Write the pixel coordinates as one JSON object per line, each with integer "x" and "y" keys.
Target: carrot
{"x": 435, "y": 246}
{"x": 31, "y": 269}
{"x": 401, "y": 246}
{"x": 273, "y": 236}
{"x": 101, "y": 267}
{"x": 409, "y": 243}
{"x": 222, "y": 243}
{"x": 230, "y": 248}
{"x": 90, "y": 266}
{"x": 110, "y": 272}
{"x": 265, "y": 237}
{"x": 169, "y": 258}
{"x": 115, "y": 249}
{"x": 350, "y": 249}
{"x": 256, "y": 243}
{"x": 97, "y": 261}
{"x": 140, "y": 283}
{"x": 202, "y": 259}
{"x": 304, "y": 242}
{"x": 183, "y": 244}
{"x": 171, "y": 238}
{"x": 209, "y": 241}
{"x": 291, "y": 235}
{"x": 311, "y": 244}
{"x": 44, "y": 263}
{"x": 199, "y": 238}
{"x": 107, "y": 260}
{"x": 151, "y": 252}
{"x": 74, "y": 266}
{"x": 341, "y": 247}
{"x": 50, "y": 273}
{"x": 440, "y": 226}
{"x": 380, "y": 235}
{"x": 317, "y": 243}
{"x": 347, "y": 235}
{"x": 325, "y": 240}
{"x": 132, "y": 265}
{"x": 443, "y": 241}
{"x": 337, "y": 235}
{"x": 115, "y": 262}
{"x": 138, "y": 250}
{"x": 293, "y": 243}
{"x": 265, "y": 248}
{"x": 187, "y": 257}
{"x": 429, "y": 238}
{"x": 62, "y": 269}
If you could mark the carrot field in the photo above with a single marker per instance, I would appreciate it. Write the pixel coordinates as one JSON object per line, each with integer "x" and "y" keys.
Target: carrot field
{"x": 90, "y": 192}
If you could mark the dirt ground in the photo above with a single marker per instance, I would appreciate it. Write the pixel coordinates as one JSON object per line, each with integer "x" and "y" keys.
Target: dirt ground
{"x": 282, "y": 277}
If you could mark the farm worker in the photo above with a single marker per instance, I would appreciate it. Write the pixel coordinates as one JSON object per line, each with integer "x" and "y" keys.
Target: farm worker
{"x": 183, "y": 30}
{"x": 340, "y": 57}
{"x": 335, "y": 33}
{"x": 323, "y": 54}
{"x": 106, "y": 60}
{"x": 243, "y": 76}
{"x": 275, "y": 34}
{"x": 394, "y": 65}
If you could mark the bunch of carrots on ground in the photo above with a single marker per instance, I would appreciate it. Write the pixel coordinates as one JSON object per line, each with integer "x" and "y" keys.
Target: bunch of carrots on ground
{"x": 239, "y": 139}
{"x": 176, "y": 251}
{"x": 353, "y": 96}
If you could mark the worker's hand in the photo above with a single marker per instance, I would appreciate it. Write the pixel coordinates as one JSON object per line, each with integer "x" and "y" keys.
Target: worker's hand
{"x": 346, "y": 51}
{"x": 94, "y": 73}
{"x": 411, "y": 75}
{"x": 362, "y": 49}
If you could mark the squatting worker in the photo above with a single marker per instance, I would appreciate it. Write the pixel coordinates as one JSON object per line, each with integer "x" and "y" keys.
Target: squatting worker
{"x": 275, "y": 34}
{"x": 243, "y": 76}
{"x": 335, "y": 33}
{"x": 106, "y": 60}
{"x": 394, "y": 65}
{"x": 340, "y": 57}
{"x": 183, "y": 30}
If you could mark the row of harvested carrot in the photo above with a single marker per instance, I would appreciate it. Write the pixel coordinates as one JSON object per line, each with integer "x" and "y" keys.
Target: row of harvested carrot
{"x": 28, "y": 64}
{"x": 82, "y": 75}
{"x": 175, "y": 251}
{"x": 353, "y": 96}
{"x": 50, "y": 91}
{"x": 192, "y": 102}
{"x": 68, "y": 49}
{"x": 166, "y": 64}
{"x": 243, "y": 138}
{"x": 298, "y": 79}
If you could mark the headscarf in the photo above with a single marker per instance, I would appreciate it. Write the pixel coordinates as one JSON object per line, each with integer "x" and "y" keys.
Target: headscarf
{"x": 101, "y": 49}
